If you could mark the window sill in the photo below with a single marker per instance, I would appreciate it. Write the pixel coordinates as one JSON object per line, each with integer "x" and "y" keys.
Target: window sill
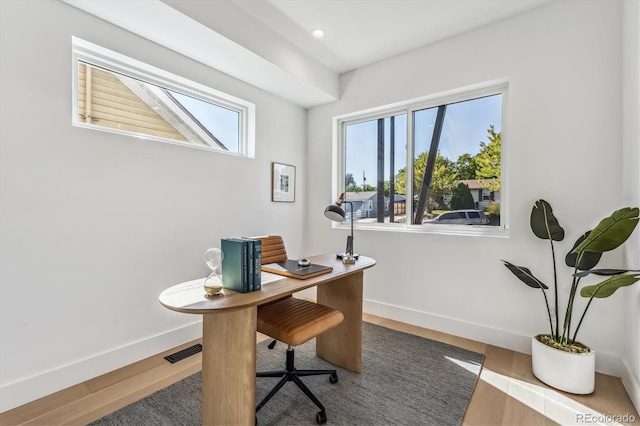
{"x": 460, "y": 230}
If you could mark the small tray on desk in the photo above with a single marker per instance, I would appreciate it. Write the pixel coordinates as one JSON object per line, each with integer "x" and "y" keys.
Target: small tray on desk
{"x": 290, "y": 268}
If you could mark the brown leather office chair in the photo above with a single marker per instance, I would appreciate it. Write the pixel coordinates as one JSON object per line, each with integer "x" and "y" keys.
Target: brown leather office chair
{"x": 293, "y": 321}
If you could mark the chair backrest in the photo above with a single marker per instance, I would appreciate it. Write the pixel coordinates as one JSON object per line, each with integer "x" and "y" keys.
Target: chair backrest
{"x": 273, "y": 249}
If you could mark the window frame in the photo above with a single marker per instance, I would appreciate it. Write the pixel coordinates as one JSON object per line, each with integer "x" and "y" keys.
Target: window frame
{"x": 408, "y": 107}
{"x": 98, "y": 56}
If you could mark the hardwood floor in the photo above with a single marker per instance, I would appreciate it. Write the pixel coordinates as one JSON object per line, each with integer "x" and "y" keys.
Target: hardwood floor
{"x": 506, "y": 393}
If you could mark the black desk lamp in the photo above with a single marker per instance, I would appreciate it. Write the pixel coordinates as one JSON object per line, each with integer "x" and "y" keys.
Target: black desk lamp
{"x": 335, "y": 213}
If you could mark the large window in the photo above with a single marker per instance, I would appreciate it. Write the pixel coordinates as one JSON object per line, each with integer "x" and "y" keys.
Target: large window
{"x": 114, "y": 93}
{"x": 409, "y": 167}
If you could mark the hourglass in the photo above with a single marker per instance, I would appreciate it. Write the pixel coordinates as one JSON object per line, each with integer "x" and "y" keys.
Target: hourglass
{"x": 213, "y": 283}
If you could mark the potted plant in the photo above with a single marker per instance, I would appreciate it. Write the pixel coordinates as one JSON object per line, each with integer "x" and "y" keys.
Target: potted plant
{"x": 558, "y": 359}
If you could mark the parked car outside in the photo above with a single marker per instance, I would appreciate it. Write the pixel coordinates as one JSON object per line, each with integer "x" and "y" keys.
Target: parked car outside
{"x": 461, "y": 217}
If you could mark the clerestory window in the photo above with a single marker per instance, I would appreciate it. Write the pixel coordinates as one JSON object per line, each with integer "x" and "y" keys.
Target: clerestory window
{"x": 417, "y": 160}
{"x": 115, "y": 93}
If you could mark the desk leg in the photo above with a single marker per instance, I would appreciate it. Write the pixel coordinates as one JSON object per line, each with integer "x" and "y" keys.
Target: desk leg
{"x": 342, "y": 345}
{"x": 229, "y": 367}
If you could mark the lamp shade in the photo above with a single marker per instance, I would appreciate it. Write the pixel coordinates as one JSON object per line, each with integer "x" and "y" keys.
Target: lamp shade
{"x": 335, "y": 213}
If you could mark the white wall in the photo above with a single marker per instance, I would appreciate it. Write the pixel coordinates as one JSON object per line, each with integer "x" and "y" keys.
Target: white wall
{"x": 562, "y": 141}
{"x": 631, "y": 188}
{"x": 94, "y": 226}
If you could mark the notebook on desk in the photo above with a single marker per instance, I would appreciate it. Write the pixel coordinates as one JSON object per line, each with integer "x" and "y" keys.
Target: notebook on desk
{"x": 290, "y": 268}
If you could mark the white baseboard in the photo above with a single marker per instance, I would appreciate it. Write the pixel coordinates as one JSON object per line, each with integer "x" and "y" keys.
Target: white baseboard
{"x": 29, "y": 389}
{"x": 605, "y": 363}
{"x": 632, "y": 386}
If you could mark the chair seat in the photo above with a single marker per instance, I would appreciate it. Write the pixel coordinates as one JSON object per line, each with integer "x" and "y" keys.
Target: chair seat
{"x": 295, "y": 321}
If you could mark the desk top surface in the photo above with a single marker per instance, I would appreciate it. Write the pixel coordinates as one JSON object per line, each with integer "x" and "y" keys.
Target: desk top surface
{"x": 189, "y": 297}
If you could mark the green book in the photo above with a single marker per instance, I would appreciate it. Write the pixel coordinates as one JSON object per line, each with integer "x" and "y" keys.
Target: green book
{"x": 250, "y": 263}
{"x": 255, "y": 263}
{"x": 255, "y": 248}
{"x": 234, "y": 264}
{"x": 257, "y": 269}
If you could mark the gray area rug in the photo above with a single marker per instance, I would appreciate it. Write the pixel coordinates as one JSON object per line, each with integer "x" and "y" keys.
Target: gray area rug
{"x": 405, "y": 380}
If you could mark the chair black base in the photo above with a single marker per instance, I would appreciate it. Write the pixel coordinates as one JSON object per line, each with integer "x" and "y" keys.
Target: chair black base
{"x": 290, "y": 374}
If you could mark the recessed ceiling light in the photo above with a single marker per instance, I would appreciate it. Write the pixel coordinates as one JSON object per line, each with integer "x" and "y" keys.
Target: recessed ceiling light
{"x": 317, "y": 33}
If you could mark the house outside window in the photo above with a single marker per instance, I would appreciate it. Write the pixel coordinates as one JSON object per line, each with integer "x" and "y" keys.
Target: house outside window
{"x": 435, "y": 155}
{"x": 115, "y": 93}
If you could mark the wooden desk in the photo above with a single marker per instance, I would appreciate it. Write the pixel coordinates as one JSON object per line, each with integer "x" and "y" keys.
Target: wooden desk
{"x": 229, "y": 333}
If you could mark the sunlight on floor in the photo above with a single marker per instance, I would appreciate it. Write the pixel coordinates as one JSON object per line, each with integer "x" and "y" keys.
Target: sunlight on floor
{"x": 473, "y": 367}
{"x": 551, "y": 404}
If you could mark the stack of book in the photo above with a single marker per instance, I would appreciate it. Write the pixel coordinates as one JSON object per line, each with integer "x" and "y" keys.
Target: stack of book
{"x": 241, "y": 264}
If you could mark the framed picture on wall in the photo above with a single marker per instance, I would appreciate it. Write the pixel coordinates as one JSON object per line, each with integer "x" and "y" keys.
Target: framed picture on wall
{"x": 283, "y": 188}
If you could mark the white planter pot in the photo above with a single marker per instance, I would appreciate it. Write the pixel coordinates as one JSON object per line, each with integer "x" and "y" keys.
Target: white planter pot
{"x": 566, "y": 371}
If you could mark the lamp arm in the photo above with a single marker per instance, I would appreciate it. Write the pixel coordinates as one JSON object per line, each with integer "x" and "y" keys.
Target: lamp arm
{"x": 350, "y": 238}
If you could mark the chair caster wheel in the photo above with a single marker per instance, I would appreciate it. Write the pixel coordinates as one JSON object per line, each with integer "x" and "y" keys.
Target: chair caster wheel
{"x": 321, "y": 417}
{"x": 333, "y": 379}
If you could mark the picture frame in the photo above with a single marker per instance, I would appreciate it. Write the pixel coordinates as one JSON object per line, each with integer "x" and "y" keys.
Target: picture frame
{"x": 283, "y": 186}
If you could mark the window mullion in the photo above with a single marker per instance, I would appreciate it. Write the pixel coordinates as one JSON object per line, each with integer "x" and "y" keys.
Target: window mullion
{"x": 380, "y": 173}
{"x": 392, "y": 160}
{"x": 411, "y": 136}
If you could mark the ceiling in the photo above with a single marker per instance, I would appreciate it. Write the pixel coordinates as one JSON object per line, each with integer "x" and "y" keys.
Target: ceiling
{"x": 267, "y": 43}
{"x": 360, "y": 32}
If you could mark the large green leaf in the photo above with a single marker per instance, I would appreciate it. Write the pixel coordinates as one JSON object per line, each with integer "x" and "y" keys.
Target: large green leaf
{"x": 606, "y": 272}
{"x": 525, "y": 275}
{"x": 588, "y": 259}
{"x": 609, "y": 286}
{"x": 611, "y": 232}
{"x": 544, "y": 224}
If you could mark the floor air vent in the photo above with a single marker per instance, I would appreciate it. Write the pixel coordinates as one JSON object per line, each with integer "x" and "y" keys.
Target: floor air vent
{"x": 191, "y": 350}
